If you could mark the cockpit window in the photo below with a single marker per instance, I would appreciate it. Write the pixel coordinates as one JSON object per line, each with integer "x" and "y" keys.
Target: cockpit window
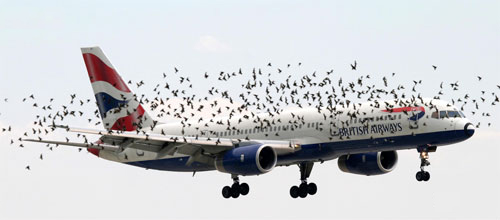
{"x": 450, "y": 114}
{"x": 454, "y": 114}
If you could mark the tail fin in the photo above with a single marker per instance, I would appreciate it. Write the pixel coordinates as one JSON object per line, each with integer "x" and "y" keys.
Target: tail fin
{"x": 117, "y": 105}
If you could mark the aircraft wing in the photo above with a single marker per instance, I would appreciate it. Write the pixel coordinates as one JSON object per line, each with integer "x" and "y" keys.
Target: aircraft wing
{"x": 157, "y": 142}
{"x": 201, "y": 149}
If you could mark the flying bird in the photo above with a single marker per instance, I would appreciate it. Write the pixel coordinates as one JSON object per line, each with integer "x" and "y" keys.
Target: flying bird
{"x": 353, "y": 66}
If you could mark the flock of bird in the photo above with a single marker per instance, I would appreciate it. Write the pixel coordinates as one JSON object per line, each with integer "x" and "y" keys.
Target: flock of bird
{"x": 267, "y": 90}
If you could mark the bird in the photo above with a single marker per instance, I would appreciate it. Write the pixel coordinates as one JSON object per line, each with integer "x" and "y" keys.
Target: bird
{"x": 28, "y": 167}
{"x": 435, "y": 67}
{"x": 353, "y": 66}
{"x": 41, "y": 156}
{"x": 479, "y": 78}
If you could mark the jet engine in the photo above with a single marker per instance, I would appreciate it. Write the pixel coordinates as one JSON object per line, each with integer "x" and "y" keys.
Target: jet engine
{"x": 247, "y": 160}
{"x": 373, "y": 163}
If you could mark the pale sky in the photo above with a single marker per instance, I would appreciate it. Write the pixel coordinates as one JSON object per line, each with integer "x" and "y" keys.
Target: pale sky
{"x": 40, "y": 54}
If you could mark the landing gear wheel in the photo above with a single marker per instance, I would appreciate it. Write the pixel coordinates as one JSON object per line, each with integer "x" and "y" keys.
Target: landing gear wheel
{"x": 312, "y": 188}
{"x": 303, "y": 190}
{"x": 235, "y": 190}
{"x": 226, "y": 192}
{"x": 426, "y": 176}
{"x": 419, "y": 176}
{"x": 244, "y": 189}
{"x": 294, "y": 192}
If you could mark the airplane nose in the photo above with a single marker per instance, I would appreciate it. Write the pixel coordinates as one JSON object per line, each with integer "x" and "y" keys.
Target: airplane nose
{"x": 469, "y": 129}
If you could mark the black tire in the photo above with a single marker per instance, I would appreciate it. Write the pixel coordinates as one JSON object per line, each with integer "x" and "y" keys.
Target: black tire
{"x": 426, "y": 176}
{"x": 294, "y": 192}
{"x": 235, "y": 190}
{"x": 303, "y": 190}
{"x": 312, "y": 188}
{"x": 419, "y": 176}
{"x": 226, "y": 192}
{"x": 244, "y": 189}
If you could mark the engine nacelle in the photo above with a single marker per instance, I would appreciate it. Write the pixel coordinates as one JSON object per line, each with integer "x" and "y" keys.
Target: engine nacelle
{"x": 374, "y": 163}
{"x": 247, "y": 160}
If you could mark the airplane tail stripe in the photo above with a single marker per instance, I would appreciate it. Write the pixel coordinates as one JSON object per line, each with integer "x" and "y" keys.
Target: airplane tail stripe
{"x": 101, "y": 86}
{"x": 99, "y": 71}
{"x": 128, "y": 123}
{"x": 105, "y": 102}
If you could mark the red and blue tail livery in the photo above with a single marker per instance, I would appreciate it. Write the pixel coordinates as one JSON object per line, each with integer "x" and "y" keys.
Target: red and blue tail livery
{"x": 118, "y": 106}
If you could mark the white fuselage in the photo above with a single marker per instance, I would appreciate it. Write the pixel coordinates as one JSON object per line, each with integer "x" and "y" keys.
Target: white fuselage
{"x": 325, "y": 134}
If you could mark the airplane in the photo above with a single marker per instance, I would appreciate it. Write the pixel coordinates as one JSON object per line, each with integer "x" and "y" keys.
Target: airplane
{"x": 363, "y": 137}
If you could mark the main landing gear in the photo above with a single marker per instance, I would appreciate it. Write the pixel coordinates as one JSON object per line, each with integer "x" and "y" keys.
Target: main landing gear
{"x": 423, "y": 175}
{"x": 304, "y": 188}
{"x": 236, "y": 189}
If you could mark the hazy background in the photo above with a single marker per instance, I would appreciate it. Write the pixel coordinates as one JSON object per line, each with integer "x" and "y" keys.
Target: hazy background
{"x": 39, "y": 54}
